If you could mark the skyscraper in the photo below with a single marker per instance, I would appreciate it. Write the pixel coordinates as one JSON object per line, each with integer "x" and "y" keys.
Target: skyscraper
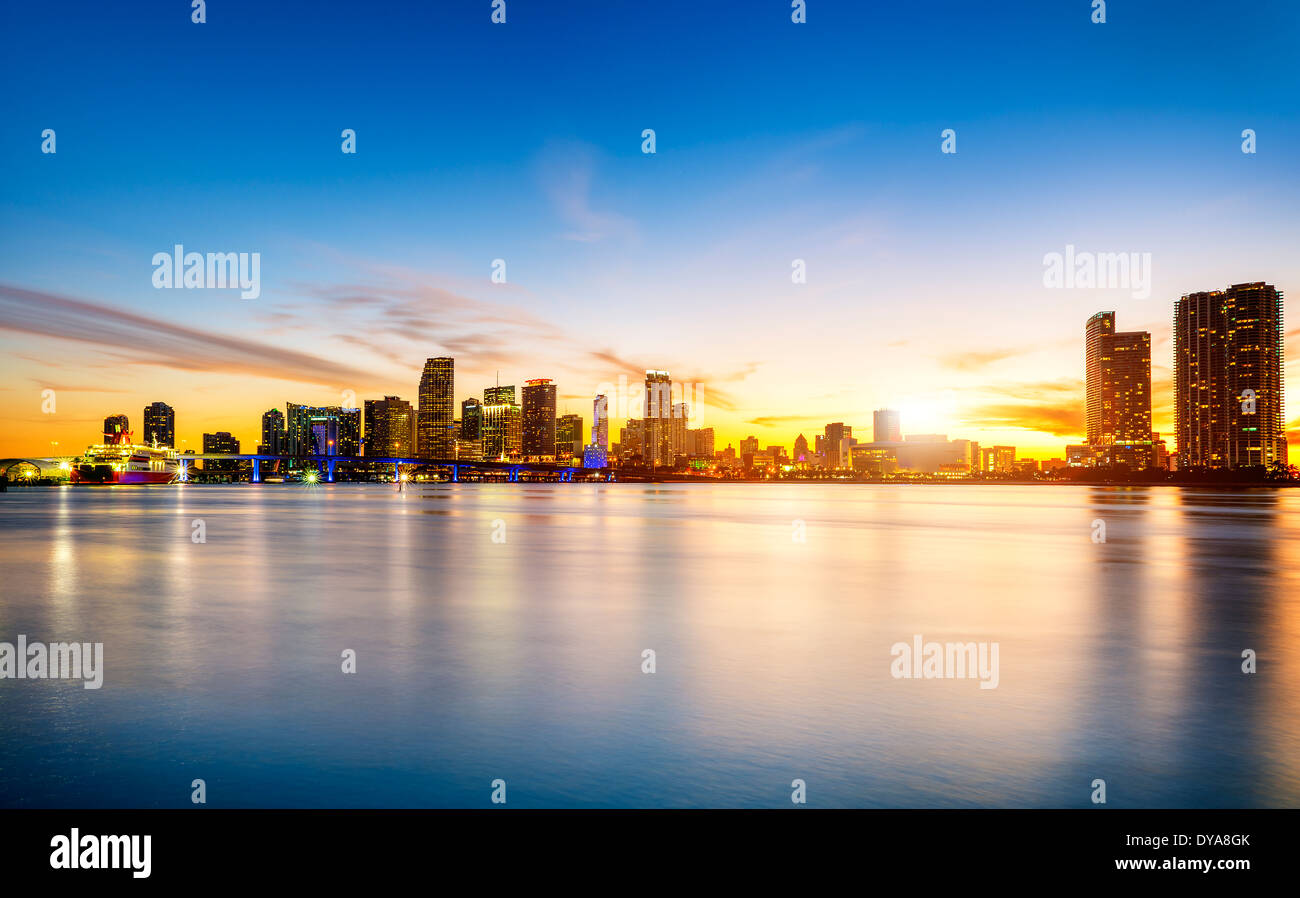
{"x": 224, "y": 443}
{"x": 539, "y": 419}
{"x": 499, "y": 394}
{"x": 388, "y": 428}
{"x": 1118, "y": 392}
{"x": 471, "y": 419}
{"x": 117, "y": 429}
{"x": 437, "y": 411}
{"x": 886, "y": 427}
{"x": 273, "y": 441}
{"x": 568, "y": 437}
{"x": 838, "y": 445}
{"x": 322, "y": 430}
{"x": 656, "y": 448}
{"x": 159, "y": 425}
{"x": 631, "y": 439}
{"x": 600, "y": 422}
{"x": 677, "y": 430}
{"x": 502, "y": 430}
{"x": 1228, "y": 390}
{"x": 220, "y": 442}
{"x": 702, "y": 439}
{"x": 349, "y": 431}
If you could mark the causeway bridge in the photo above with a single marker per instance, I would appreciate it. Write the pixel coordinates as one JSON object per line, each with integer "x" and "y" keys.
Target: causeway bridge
{"x": 326, "y": 466}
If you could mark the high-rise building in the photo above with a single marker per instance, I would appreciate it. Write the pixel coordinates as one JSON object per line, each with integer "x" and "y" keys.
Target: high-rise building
{"x": 502, "y": 423}
{"x": 656, "y": 436}
{"x": 600, "y": 422}
{"x": 471, "y": 419}
{"x": 322, "y": 430}
{"x": 469, "y": 445}
{"x": 1255, "y": 353}
{"x": 631, "y": 439}
{"x": 159, "y": 425}
{"x": 699, "y": 442}
{"x": 568, "y": 437}
{"x": 539, "y": 419}
{"x": 677, "y": 430}
{"x": 388, "y": 428}
{"x": 499, "y": 394}
{"x": 998, "y": 460}
{"x": 437, "y": 408}
{"x": 117, "y": 429}
{"x": 273, "y": 441}
{"x": 220, "y": 442}
{"x": 886, "y": 426}
{"x": 223, "y": 443}
{"x": 1118, "y": 392}
{"x": 1161, "y": 453}
{"x": 801, "y": 452}
{"x": 838, "y": 445}
{"x": 1228, "y": 364}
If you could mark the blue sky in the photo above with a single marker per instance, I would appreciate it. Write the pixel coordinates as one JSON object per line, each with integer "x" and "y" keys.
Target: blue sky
{"x": 523, "y": 142}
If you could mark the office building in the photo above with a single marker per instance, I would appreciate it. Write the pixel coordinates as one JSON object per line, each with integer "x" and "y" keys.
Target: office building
{"x": 502, "y": 428}
{"x": 388, "y": 428}
{"x": 1228, "y": 384}
{"x": 159, "y": 425}
{"x": 273, "y": 441}
{"x": 221, "y": 443}
{"x": 539, "y": 419}
{"x": 656, "y": 437}
{"x": 469, "y": 445}
{"x": 117, "y": 429}
{"x": 568, "y": 437}
{"x": 322, "y": 430}
{"x": 886, "y": 426}
{"x": 600, "y": 422}
{"x": 837, "y": 446}
{"x": 700, "y": 442}
{"x": 437, "y": 408}
{"x": 1118, "y": 393}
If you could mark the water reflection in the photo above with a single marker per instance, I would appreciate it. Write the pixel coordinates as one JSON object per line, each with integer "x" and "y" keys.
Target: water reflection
{"x": 499, "y": 631}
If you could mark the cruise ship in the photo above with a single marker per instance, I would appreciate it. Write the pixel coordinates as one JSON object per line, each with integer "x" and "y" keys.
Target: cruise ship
{"x": 123, "y": 462}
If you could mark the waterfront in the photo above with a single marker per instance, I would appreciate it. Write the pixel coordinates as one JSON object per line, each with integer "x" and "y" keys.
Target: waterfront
{"x": 520, "y": 657}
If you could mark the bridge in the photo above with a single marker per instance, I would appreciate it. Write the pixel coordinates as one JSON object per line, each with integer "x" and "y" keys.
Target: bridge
{"x": 326, "y": 465}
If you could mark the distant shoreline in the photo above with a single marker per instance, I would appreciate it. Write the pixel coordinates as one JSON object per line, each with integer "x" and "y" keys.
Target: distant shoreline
{"x": 1227, "y": 486}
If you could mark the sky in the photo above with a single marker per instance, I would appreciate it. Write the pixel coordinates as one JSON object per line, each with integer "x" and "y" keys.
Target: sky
{"x": 522, "y": 142}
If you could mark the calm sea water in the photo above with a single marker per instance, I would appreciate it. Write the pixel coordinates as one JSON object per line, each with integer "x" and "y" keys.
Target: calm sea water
{"x": 522, "y": 660}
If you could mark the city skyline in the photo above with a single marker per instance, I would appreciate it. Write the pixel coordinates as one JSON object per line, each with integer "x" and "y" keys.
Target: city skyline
{"x": 922, "y": 272}
{"x": 1235, "y": 355}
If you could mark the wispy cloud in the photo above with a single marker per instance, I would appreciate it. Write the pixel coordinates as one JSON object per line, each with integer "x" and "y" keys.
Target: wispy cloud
{"x": 969, "y": 361}
{"x": 148, "y": 340}
{"x": 566, "y": 173}
{"x": 778, "y": 420}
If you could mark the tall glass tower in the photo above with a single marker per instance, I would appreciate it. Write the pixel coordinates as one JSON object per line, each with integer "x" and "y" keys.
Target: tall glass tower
{"x": 437, "y": 411}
